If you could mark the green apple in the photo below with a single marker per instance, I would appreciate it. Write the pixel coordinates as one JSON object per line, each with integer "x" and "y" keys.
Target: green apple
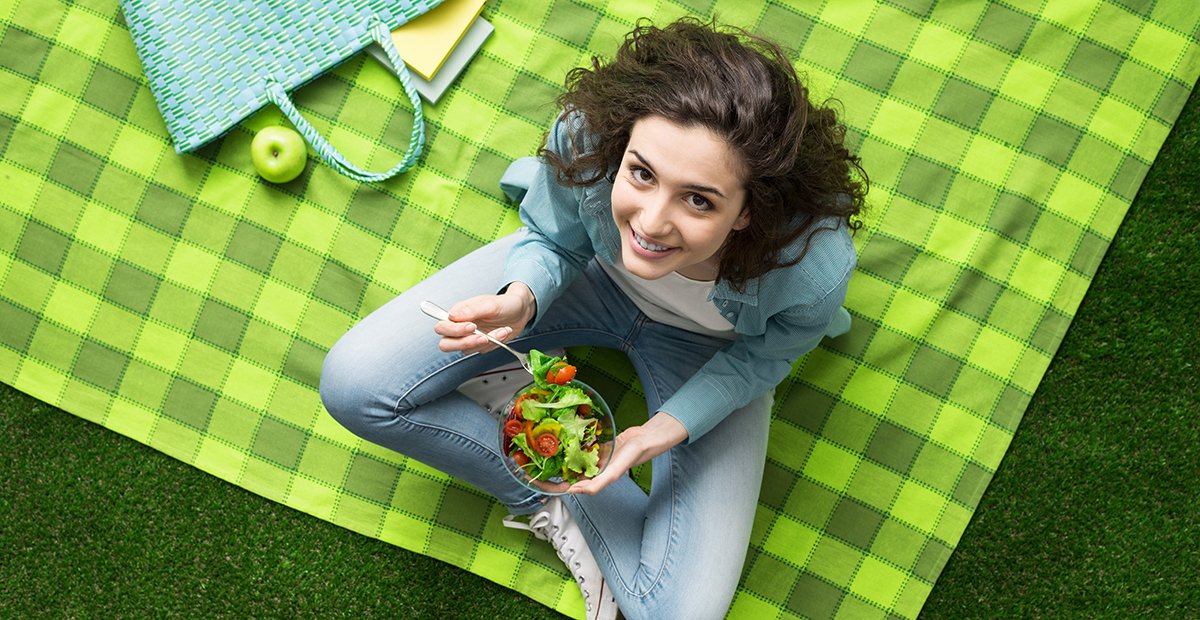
{"x": 278, "y": 153}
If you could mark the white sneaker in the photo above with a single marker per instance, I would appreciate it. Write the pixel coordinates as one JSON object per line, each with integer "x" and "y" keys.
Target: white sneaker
{"x": 494, "y": 388}
{"x": 554, "y": 523}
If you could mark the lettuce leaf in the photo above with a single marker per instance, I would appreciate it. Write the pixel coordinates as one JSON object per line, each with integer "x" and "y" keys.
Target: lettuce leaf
{"x": 577, "y": 428}
{"x": 579, "y": 460}
{"x": 531, "y": 410}
{"x": 552, "y": 468}
{"x": 569, "y": 397}
{"x": 541, "y": 364}
{"x": 575, "y": 433}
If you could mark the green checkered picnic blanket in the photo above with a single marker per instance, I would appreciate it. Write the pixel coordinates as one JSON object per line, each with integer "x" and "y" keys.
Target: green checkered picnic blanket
{"x": 185, "y": 303}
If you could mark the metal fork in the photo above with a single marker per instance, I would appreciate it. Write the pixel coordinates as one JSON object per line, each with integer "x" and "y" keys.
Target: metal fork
{"x": 437, "y": 312}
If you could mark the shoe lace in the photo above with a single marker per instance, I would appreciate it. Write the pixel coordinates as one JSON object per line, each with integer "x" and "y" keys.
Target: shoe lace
{"x": 542, "y": 527}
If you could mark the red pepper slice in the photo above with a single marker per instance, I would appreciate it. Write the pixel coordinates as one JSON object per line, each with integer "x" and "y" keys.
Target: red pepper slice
{"x": 529, "y": 433}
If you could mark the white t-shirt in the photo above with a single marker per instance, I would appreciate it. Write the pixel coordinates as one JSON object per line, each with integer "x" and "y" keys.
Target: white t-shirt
{"x": 673, "y": 300}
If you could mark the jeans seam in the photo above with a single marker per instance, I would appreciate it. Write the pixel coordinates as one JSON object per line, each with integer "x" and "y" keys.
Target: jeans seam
{"x": 672, "y": 542}
{"x": 466, "y": 441}
{"x": 629, "y": 338}
{"x": 672, "y": 531}
{"x": 434, "y": 369}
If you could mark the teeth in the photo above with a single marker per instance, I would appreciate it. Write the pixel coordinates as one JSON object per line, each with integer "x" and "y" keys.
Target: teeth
{"x": 649, "y": 246}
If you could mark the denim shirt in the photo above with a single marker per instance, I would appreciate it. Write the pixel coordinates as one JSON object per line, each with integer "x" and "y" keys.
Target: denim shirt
{"x": 779, "y": 317}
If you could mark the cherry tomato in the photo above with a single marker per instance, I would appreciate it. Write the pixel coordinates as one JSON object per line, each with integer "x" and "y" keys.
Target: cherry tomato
{"x": 560, "y": 373}
{"x": 521, "y": 458}
{"x": 583, "y": 410}
{"x": 546, "y": 444}
{"x": 512, "y": 428}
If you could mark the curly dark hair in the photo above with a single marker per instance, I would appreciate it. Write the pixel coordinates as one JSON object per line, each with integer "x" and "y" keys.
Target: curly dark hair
{"x": 743, "y": 88}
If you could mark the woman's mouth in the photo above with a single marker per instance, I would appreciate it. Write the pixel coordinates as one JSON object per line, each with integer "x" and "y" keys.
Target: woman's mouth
{"x": 648, "y": 247}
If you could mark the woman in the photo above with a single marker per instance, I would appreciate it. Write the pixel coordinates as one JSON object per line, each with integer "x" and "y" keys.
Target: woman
{"x": 692, "y": 208}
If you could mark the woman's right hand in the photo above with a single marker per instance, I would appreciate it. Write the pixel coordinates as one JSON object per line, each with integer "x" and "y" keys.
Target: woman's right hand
{"x": 501, "y": 316}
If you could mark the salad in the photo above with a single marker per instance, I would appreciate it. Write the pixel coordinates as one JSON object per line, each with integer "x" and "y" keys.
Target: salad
{"x": 554, "y": 429}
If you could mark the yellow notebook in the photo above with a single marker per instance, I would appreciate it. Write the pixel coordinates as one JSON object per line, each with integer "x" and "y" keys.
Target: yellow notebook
{"x": 425, "y": 42}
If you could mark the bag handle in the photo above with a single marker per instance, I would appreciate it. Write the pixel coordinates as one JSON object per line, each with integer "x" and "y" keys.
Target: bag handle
{"x": 326, "y": 151}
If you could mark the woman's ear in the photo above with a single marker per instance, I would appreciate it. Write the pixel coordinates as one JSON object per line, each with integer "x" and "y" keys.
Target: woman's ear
{"x": 743, "y": 219}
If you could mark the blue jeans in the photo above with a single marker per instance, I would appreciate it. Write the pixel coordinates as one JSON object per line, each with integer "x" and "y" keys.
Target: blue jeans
{"x": 676, "y": 552}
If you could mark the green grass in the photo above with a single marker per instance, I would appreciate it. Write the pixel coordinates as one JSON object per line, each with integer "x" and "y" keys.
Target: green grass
{"x": 1092, "y": 514}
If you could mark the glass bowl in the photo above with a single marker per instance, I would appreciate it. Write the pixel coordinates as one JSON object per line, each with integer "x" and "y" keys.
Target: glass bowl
{"x": 556, "y": 484}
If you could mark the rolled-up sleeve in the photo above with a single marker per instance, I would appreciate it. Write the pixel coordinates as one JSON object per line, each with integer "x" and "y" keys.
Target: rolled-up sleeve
{"x": 557, "y": 246}
{"x": 752, "y": 365}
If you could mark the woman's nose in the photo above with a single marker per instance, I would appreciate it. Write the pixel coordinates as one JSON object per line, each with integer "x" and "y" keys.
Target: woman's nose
{"x": 655, "y": 217}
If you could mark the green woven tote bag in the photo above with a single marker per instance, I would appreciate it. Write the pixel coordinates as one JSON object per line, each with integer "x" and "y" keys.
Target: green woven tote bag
{"x": 213, "y": 63}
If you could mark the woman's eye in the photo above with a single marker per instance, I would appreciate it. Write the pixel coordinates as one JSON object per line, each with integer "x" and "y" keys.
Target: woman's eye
{"x": 697, "y": 201}
{"x": 640, "y": 174}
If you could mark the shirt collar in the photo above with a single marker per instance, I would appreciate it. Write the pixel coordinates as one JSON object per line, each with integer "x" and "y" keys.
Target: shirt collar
{"x": 748, "y": 296}
{"x": 597, "y": 207}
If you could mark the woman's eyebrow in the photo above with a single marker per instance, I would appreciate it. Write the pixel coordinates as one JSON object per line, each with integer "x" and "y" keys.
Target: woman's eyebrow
{"x": 692, "y": 186}
{"x": 642, "y": 159}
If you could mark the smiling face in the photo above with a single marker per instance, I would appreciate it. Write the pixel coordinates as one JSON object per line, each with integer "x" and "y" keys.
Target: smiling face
{"x": 677, "y": 197}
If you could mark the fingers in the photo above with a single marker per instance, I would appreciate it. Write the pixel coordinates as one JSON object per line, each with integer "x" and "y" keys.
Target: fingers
{"x": 475, "y": 309}
{"x": 463, "y": 337}
{"x": 592, "y": 486}
{"x": 615, "y": 470}
{"x": 458, "y": 336}
{"x": 454, "y": 329}
{"x": 476, "y": 313}
{"x": 550, "y": 487}
{"x": 489, "y": 312}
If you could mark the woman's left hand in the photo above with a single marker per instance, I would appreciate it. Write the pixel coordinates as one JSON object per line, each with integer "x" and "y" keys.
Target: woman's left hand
{"x": 635, "y": 446}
